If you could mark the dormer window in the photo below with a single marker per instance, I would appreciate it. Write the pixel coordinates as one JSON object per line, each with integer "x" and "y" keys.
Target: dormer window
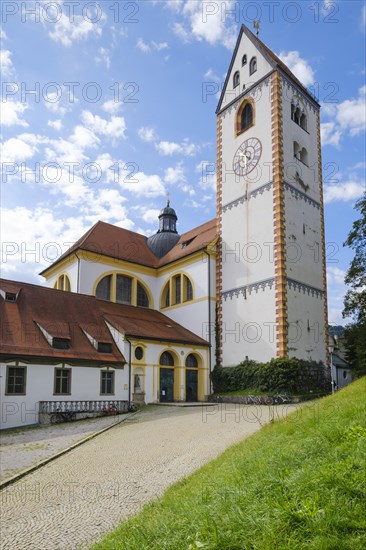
{"x": 236, "y": 79}
{"x": 253, "y": 65}
{"x": 61, "y": 343}
{"x": 10, "y": 297}
{"x": 104, "y": 347}
{"x": 244, "y": 60}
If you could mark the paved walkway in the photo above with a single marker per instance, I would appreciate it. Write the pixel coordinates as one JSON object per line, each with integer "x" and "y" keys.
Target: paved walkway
{"x": 23, "y": 448}
{"x": 75, "y": 500}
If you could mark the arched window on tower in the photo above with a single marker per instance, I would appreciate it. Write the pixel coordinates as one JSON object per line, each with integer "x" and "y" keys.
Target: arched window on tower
{"x": 303, "y": 122}
{"x": 304, "y": 157}
{"x": 236, "y": 79}
{"x": 244, "y": 60}
{"x": 244, "y": 117}
{"x": 253, "y": 65}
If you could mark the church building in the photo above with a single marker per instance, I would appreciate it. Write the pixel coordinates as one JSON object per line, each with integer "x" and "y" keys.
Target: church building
{"x": 128, "y": 318}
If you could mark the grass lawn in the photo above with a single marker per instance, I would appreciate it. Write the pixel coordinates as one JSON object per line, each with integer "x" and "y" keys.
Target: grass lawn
{"x": 299, "y": 483}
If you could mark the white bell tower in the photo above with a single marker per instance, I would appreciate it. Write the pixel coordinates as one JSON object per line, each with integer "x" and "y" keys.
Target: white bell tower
{"x": 271, "y": 281}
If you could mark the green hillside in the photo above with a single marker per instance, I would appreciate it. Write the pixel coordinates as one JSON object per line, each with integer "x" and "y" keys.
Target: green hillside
{"x": 299, "y": 483}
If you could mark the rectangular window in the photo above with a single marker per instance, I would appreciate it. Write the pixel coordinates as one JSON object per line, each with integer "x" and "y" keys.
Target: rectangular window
{"x": 104, "y": 347}
{"x": 107, "y": 382}
{"x": 62, "y": 381}
{"x": 124, "y": 289}
{"x": 15, "y": 383}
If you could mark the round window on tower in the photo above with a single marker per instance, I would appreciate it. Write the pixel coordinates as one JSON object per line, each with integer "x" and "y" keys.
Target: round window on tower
{"x": 139, "y": 353}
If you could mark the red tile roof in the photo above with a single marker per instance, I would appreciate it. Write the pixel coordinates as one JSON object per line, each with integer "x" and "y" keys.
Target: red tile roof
{"x": 67, "y": 315}
{"x": 116, "y": 242}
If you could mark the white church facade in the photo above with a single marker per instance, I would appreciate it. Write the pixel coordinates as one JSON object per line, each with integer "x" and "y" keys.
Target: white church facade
{"x": 123, "y": 317}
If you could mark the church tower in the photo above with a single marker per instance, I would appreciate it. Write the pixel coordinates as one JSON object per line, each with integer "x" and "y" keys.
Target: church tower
{"x": 271, "y": 280}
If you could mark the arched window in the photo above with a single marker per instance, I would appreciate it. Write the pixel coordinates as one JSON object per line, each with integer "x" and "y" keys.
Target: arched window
{"x": 253, "y": 65}
{"x": 297, "y": 116}
{"x": 142, "y": 297}
{"x": 177, "y": 290}
{"x": 303, "y": 122}
{"x": 304, "y": 157}
{"x": 103, "y": 291}
{"x": 63, "y": 283}
{"x": 244, "y": 60}
{"x": 244, "y": 117}
{"x": 236, "y": 79}
{"x": 123, "y": 289}
{"x": 166, "y": 359}
{"x": 191, "y": 361}
{"x": 296, "y": 150}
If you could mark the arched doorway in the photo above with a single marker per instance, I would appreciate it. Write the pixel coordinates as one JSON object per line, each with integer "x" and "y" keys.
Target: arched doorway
{"x": 166, "y": 382}
{"x": 191, "y": 378}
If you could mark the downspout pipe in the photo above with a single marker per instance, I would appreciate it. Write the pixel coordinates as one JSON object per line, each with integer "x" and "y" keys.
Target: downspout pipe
{"x": 129, "y": 371}
{"x": 78, "y": 277}
{"x": 209, "y": 314}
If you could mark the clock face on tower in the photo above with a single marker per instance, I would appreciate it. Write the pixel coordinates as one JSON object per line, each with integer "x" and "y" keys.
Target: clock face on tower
{"x": 247, "y": 156}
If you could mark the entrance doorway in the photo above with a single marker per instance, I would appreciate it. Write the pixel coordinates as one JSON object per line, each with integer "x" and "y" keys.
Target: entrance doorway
{"x": 191, "y": 385}
{"x": 166, "y": 385}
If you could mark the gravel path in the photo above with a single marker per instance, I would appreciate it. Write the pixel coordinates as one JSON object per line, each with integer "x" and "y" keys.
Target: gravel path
{"x": 75, "y": 500}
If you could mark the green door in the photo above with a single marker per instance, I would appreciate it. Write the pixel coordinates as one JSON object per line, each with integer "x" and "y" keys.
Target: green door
{"x": 166, "y": 385}
{"x": 191, "y": 385}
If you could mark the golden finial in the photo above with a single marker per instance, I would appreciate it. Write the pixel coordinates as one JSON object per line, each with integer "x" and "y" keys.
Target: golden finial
{"x": 257, "y": 26}
{"x": 168, "y": 198}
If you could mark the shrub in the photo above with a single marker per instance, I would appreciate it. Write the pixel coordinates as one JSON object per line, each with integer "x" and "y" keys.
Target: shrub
{"x": 282, "y": 375}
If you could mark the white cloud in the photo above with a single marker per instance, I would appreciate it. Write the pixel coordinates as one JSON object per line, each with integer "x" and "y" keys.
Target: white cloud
{"x": 114, "y": 128}
{"x": 348, "y": 116}
{"x": 142, "y": 46}
{"x": 6, "y": 63}
{"x": 111, "y": 106}
{"x": 150, "y": 215}
{"x": 147, "y": 134}
{"x": 103, "y": 57}
{"x": 17, "y": 150}
{"x": 330, "y": 134}
{"x": 351, "y": 113}
{"x": 11, "y": 112}
{"x": 347, "y": 191}
{"x": 174, "y": 175}
{"x": 158, "y": 46}
{"x": 68, "y": 30}
{"x": 3, "y": 34}
{"x": 41, "y": 234}
{"x": 207, "y": 170}
{"x": 107, "y": 205}
{"x": 55, "y": 124}
{"x": 335, "y": 275}
{"x": 169, "y": 148}
{"x": 300, "y": 67}
{"x": 142, "y": 185}
{"x": 203, "y": 21}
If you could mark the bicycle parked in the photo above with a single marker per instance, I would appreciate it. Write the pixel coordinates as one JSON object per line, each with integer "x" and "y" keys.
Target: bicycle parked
{"x": 62, "y": 416}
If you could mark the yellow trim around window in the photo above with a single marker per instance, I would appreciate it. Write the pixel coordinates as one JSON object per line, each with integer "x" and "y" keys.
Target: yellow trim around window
{"x": 135, "y": 280}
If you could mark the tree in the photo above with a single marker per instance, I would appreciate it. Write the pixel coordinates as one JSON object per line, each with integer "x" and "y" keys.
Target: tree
{"x": 355, "y": 298}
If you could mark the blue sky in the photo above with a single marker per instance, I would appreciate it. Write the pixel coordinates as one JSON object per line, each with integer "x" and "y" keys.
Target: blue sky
{"x": 122, "y": 84}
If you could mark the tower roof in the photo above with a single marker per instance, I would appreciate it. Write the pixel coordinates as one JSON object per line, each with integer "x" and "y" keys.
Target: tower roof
{"x": 272, "y": 59}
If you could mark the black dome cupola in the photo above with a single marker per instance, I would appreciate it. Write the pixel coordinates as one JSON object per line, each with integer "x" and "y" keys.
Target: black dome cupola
{"x": 167, "y": 219}
{"x": 167, "y": 235}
